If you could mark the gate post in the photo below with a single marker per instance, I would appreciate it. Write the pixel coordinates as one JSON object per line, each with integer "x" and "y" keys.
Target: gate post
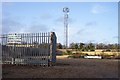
{"x": 53, "y": 42}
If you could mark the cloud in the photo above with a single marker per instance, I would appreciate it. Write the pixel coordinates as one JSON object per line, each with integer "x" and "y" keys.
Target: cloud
{"x": 12, "y": 25}
{"x": 9, "y": 25}
{"x": 5, "y": 14}
{"x": 46, "y": 16}
{"x": 80, "y": 31}
{"x": 91, "y": 41}
{"x": 116, "y": 37}
{"x": 37, "y": 28}
{"x": 53, "y": 29}
{"x": 7, "y": 4}
{"x": 93, "y": 23}
{"x": 97, "y": 9}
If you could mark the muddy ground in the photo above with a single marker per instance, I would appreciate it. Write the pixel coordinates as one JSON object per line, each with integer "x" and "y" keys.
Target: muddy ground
{"x": 66, "y": 68}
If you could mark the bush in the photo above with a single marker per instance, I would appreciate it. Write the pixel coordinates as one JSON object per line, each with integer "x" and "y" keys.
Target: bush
{"x": 77, "y": 55}
{"x": 70, "y": 56}
{"x": 64, "y": 53}
{"x": 108, "y": 50}
{"x": 67, "y": 52}
{"x": 116, "y": 55}
{"x": 92, "y": 50}
{"x": 106, "y": 56}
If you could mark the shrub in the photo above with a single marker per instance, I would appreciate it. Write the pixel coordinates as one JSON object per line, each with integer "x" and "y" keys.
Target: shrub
{"x": 77, "y": 55}
{"x": 108, "y": 50}
{"x": 86, "y": 54}
{"x": 64, "y": 53}
{"x": 67, "y": 52}
{"x": 106, "y": 56}
{"x": 70, "y": 56}
{"x": 116, "y": 55}
{"x": 92, "y": 50}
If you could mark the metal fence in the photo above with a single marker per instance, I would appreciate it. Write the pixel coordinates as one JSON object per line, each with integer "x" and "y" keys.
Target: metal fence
{"x": 29, "y": 48}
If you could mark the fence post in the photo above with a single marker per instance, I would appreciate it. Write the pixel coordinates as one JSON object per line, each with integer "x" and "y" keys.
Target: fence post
{"x": 53, "y": 42}
{"x": 13, "y": 54}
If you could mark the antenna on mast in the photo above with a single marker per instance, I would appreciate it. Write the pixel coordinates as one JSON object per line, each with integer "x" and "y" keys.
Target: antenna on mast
{"x": 66, "y": 11}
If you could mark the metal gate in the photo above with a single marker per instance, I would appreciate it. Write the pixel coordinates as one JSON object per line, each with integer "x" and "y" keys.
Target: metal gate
{"x": 29, "y": 48}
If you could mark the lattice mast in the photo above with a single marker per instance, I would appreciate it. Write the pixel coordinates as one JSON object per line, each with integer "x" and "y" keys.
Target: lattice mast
{"x": 66, "y": 12}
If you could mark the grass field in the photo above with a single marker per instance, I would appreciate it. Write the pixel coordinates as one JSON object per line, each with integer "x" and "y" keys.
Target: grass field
{"x": 66, "y": 68}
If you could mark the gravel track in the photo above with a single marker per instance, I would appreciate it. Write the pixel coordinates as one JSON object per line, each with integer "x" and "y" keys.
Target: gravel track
{"x": 66, "y": 68}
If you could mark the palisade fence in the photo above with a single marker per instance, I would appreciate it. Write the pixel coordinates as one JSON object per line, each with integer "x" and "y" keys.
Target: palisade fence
{"x": 29, "y": 48}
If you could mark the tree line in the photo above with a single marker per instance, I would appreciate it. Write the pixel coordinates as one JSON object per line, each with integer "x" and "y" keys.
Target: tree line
{"x": 89, "y": 46}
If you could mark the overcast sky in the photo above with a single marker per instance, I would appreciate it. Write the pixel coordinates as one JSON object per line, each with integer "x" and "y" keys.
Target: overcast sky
{"x": 88, "y": 21}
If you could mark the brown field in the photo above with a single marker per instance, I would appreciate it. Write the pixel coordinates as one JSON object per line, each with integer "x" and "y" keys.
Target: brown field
{"x": 66, "y": 68}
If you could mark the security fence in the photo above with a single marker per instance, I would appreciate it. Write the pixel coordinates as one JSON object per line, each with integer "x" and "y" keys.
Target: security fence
{"x": 29, "y": 48}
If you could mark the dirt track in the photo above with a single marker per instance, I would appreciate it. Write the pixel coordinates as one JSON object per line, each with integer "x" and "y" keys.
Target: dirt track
{"x": 66, "y": 68}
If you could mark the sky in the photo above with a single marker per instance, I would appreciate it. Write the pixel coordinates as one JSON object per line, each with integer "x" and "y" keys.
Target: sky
{"x": 95, "y": 22}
